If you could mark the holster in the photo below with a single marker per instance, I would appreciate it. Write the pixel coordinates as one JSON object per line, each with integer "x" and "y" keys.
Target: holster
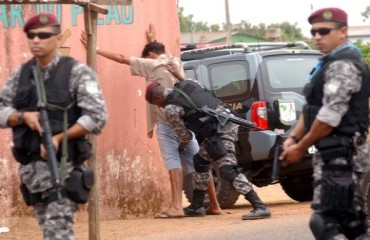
{"x": 30, "y": 198}
{"x": 333, "y": 147}
{"x": 21, "y": 155}
{"x": 215, "y": 147}
{"x": 337, "y": 188}
{"x": 79, "y": 184}
{"x": 83, "y": 148}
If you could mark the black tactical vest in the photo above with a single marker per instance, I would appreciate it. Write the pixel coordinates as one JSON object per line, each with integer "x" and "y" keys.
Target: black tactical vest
{"x": 57, "y": 93}
{"x": 198, "y": 122}
{"x": 357, "y": 117}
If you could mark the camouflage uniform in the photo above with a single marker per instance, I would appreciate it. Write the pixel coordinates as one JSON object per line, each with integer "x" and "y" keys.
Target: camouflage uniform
{"x": 56, "y": 218}
{"x": 228, "y": 135}
{"x": 341, "y": 79}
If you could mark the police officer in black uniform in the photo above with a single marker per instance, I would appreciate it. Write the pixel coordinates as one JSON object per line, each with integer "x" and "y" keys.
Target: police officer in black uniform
{"x": 182, "y": 108}
{"x": 335, "y": 120}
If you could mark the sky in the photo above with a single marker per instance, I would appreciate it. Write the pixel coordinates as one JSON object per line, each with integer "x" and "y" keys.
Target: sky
{"x": 270, "y": 11}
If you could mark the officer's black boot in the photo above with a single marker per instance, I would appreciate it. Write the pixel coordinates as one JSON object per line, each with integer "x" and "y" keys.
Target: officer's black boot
{"x": 259, "y": 211}
{"x": 196, "y": 208}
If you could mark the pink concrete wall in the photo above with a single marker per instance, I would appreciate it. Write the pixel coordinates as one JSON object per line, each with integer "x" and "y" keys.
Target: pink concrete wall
{"x": 133, "y": 178}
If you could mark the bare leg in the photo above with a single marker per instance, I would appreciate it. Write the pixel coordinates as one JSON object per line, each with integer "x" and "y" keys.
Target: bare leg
{"x": 175, "y": 208}
{"x": 213, "y": 207}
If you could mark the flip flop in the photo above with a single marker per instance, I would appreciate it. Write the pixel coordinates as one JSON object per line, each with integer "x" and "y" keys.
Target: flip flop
{"x": 165, "y": 215}
{"x": 213, "y": 213}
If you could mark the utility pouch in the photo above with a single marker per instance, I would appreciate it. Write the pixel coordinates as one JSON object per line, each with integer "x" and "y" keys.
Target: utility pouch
{"x": 337, "y": 188}
{"x": 30, "y": 198}
{"x": 79, "y": 184}
{"x": 335, "y": 141}
{"x": 83, "y": 151}
{"x": 215, "y": 147}
{"x": 21, "y": 155}
{"x": 333, "y": 147}
{"x": 332, "y": 153}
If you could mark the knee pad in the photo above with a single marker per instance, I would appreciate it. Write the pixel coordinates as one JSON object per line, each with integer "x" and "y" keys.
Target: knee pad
{"x": 317, "y": 226}
{"x": 200, "y": 164}
{"x": 323, "y": 226}
{"x": 229, "y": 172}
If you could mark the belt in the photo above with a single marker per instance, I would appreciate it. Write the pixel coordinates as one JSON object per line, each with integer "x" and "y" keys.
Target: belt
{"x": 334, "y": 141}
{"x": 56, "y": 195}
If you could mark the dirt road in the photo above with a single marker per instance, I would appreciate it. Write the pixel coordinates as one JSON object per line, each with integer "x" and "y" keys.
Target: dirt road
{"x": 280, "y": 204}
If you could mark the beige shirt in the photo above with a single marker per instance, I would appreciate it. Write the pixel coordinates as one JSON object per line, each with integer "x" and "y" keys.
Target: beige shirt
{"x": 160, "y": 69}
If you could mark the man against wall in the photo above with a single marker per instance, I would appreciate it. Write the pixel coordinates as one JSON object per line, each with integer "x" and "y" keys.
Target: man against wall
{"x": 155, "y": 64}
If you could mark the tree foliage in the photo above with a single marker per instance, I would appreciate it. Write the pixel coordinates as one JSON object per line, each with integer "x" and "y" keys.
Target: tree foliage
{"x": 289, "y": 32}
{"x": 365, "y": 49}
{"x": 366, "y": 14}
{"x": 186, "y": 22}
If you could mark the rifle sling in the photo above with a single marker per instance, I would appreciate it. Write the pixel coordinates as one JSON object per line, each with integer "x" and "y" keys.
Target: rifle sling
{"x": 190, "y": 101}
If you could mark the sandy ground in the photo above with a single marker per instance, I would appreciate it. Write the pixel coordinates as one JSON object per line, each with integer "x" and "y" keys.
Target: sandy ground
{"x": 281, "y": 206}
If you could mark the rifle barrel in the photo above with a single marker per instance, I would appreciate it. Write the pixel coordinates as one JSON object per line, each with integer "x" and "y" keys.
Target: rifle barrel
{"x": 46, "y": 131}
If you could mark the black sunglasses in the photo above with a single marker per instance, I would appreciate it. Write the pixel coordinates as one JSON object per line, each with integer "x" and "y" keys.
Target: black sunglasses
{"x": 40, "y": 35}
{"x": 322, "y": 31}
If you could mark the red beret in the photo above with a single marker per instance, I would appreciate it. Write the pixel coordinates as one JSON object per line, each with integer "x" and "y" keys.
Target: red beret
{"x": 149, "y": 89}
{"x": 41, "y": 20}
{"x": 328, "y": 15}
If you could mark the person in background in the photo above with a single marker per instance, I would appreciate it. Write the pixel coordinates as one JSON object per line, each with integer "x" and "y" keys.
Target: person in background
{"x": 335, "y": 120}
{"x": 182, "y": 106}
{"x": 67, "y": 82}
{"x": 153, "y": 64}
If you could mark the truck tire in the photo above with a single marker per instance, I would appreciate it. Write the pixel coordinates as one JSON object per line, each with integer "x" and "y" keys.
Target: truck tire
{"x": 226, "y": 193}
{"x": 298, "y": 188}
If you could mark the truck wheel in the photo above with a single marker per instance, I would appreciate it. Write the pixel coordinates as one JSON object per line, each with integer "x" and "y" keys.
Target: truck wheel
{"x": 298, "y": 188}
{"x": 366, "y": 193}
{"x": 226, "y": 193}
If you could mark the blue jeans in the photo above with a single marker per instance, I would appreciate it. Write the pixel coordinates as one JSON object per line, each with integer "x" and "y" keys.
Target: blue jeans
{"x": 169, "y": 146}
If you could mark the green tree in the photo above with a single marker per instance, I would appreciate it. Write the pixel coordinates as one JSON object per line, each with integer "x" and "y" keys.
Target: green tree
{"x": 201, "y": 27}
{"x": 186, "y": 22}
{"x": 254, "y": 30}
{"x": 215, "y": 28}
{"x": 366, "y": 13}
{"x": 365, "y": 49}
{"x": 289, "y": 32}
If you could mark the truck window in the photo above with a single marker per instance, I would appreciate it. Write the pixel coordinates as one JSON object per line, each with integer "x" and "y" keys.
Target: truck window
{"x": 229, "y": 79}
{"x": 190, "y": 74}
{"x": 289, "y": 72}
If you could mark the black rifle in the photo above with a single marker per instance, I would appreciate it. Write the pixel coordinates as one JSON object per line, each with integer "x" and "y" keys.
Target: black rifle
{"x": 277, "y": 162}
{"x": 46, "y": 133}
{"x": 224, "y": 117}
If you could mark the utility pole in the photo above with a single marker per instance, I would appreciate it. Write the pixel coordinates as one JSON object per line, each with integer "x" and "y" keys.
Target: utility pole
{"x": 228, "y": 24}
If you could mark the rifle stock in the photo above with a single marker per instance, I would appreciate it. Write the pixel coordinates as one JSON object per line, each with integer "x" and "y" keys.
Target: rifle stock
{"x": 46, "y": 131}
